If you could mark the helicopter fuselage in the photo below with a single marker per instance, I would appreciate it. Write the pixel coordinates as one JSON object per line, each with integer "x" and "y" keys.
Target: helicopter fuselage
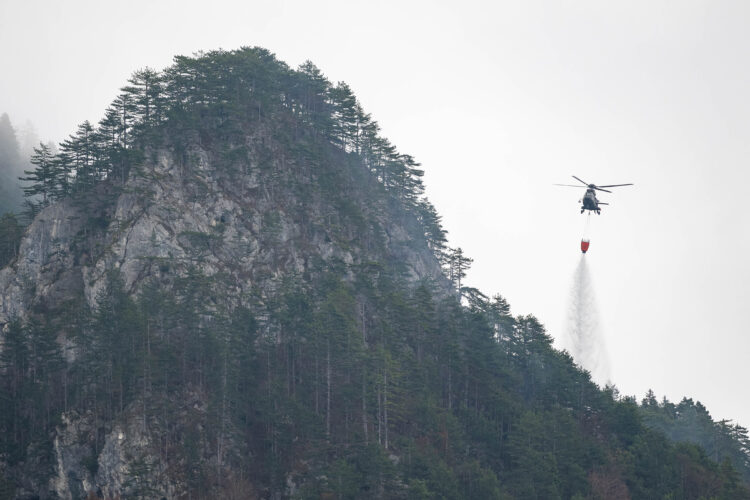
{"x": 590, "y": 202}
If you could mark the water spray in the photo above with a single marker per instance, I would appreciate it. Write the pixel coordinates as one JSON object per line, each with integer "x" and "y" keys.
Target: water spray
{"x": 584, "y": 332}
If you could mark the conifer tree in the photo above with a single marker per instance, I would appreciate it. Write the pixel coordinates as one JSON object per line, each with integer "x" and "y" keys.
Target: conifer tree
{"x": 458, "y": 264}
{"x": 42, "y": 188}
{"x": 145, "y": 94}
{"x": 315, "y": 91}
{"x": 345, "y": 116}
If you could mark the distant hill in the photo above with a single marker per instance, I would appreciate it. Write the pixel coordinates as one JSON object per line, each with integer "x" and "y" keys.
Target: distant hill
{"x": 235, "y": 288}
{"x": 11, "y": 167}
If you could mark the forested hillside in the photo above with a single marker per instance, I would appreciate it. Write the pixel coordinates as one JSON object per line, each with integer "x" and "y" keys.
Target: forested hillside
{"x": 234, "y": 287}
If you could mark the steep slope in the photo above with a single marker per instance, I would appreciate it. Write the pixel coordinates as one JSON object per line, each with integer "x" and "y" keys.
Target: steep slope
{"x": 236, "y": 292}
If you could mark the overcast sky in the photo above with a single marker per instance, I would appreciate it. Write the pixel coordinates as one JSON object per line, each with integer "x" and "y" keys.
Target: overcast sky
{"x": 499, "y": 100}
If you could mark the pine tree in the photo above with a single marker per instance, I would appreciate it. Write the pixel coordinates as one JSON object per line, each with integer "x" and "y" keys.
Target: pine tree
{"x": 315, "y": 99}
{"x": 145, "y": 94}
{"x": 458, "y": 264}
{"x": 345, "y": 116}
{"x": 42, "y": 188}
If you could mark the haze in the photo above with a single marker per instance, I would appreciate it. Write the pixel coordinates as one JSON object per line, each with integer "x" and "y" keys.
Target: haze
{"x": 499, "y": 100}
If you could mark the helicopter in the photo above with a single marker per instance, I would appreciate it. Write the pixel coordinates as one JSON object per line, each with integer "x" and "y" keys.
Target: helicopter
{"x": 589, "y": 200}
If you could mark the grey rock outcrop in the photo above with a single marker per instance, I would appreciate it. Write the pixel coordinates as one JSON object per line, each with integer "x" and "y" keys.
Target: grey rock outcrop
{"x": 173, "y": 215}
{"x": 46, "y": 268}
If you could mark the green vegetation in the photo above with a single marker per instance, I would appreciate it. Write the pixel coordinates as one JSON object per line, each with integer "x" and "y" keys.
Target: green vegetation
{"x": 349, "y": 380}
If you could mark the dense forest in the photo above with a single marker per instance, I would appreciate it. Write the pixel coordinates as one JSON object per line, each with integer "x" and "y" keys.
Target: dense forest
{"x": 354, "y": 372}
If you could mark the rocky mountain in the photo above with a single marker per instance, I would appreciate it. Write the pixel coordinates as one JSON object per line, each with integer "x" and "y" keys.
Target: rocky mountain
{"x": 235, "y": 288}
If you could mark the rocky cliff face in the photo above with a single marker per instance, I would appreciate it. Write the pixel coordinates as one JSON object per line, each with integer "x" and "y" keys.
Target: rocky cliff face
{"x": 253, "y": 220}
{"x": 126, "y": 465}
{"x": 182, "y": 210}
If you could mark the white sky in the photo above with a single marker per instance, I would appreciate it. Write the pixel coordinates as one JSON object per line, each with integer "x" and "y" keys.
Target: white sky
{"x": 499, "y": 100}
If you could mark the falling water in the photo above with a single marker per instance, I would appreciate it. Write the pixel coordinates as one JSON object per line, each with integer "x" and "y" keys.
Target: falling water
{"x": 585, "y": 340}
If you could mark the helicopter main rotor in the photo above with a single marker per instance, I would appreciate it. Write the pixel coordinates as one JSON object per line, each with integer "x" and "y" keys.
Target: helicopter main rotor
{"x": 592, "y": 186}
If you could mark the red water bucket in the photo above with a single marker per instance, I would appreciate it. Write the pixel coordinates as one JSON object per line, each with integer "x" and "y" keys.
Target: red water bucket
{"x": 584, "y": 245}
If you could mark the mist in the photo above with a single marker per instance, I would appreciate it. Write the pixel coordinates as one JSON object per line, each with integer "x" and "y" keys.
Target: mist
{"x": 13, "y": 161}
{"x": 16, "y": 149}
